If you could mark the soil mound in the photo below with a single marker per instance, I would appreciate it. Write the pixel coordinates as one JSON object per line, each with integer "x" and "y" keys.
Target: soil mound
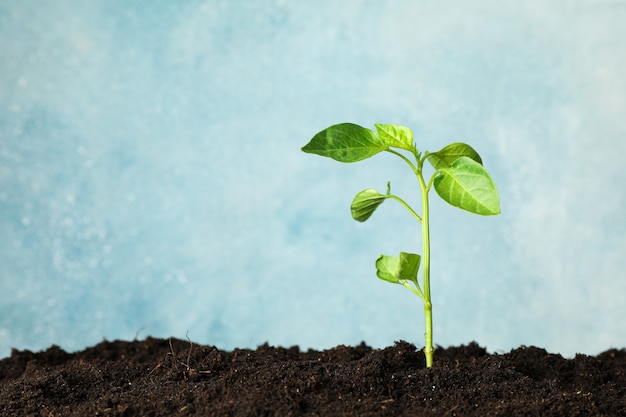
{"x": 160, "y": 377}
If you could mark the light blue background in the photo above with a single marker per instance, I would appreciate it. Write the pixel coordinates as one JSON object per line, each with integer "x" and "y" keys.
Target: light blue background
{"x": 151, "y": 180}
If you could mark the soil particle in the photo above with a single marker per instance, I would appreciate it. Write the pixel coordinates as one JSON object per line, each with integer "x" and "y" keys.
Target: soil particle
{"x": 160, "y": 377}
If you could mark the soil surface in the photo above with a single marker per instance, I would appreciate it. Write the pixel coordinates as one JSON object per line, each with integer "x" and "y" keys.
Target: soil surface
{"x": 157, "y": 377}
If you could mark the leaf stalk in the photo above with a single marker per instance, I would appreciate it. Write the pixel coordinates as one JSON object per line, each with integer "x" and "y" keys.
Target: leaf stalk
{"x": 406, "y": 206}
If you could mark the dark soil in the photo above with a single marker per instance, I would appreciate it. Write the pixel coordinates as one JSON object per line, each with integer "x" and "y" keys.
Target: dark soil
{"x": 158, "y": 377}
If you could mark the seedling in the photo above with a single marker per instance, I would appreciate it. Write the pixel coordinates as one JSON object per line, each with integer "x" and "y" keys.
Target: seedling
{"x": 459, "y": 178}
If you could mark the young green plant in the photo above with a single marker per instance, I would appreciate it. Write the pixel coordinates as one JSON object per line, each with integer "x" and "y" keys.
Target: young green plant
{"x": 459, "y": 178}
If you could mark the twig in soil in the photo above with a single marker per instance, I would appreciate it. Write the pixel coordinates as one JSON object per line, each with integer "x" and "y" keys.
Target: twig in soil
{"x": 172, "y": 353}
{"x": 161, "y": 364}
{"x": 189, "y": 372}
{"x": 138, "y": 331}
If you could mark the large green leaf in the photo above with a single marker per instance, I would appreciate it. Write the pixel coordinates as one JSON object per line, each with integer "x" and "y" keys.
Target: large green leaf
{"x": 445, "y": 157}
{"x": 396, "y": 136}
{"x": 346, "y": 142}
{"x": 396, "y": 269}
{"x": 466, "y": 184}
{"x": 365, "y": 203}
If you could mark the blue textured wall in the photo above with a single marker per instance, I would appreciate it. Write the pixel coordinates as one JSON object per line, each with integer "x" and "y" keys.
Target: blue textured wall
{"x": 151, "y": 178}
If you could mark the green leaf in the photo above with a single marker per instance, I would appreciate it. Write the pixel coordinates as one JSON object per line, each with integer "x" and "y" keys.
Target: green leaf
{"x": 365, "y": 203}
{"x": 445, "y": 157}
{"x": 396, "y": 269}
{"x": 345, "y": 142}
{"x": 396, "y": 136}
{"x": 466, "y": 184}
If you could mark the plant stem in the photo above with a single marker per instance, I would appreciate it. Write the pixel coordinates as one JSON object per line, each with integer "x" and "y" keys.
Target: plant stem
{"x": 428, "y": 307}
